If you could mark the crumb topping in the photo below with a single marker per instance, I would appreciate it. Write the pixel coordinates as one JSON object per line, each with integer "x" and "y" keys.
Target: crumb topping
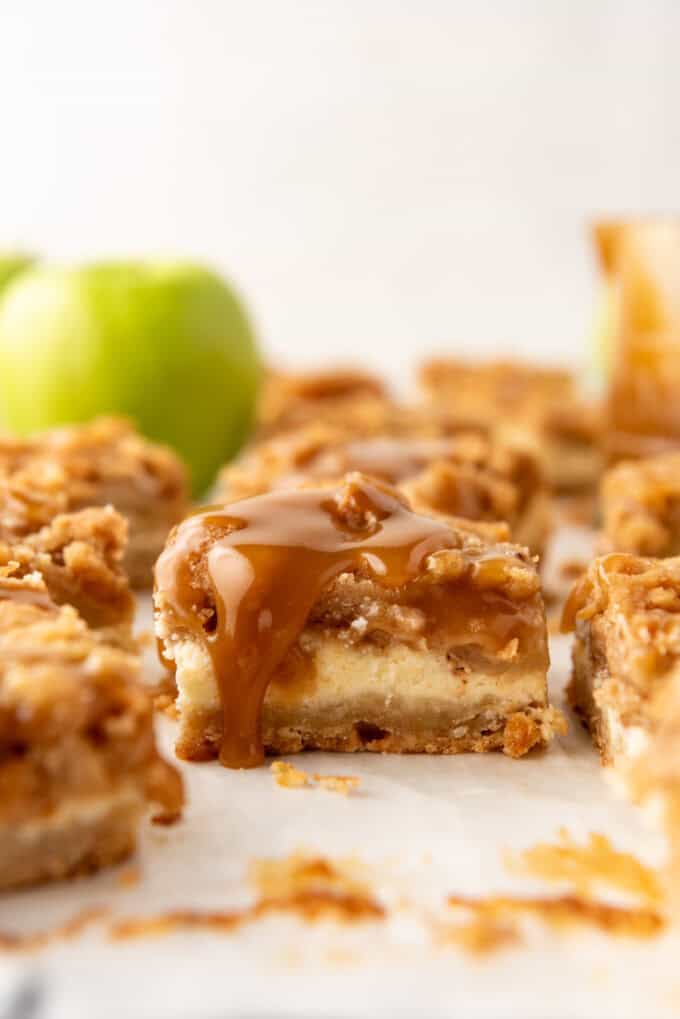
{"x": 641, "y": 506}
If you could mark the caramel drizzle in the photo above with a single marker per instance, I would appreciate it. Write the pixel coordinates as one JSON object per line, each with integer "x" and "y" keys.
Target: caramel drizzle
{"x": 273, "y": 556}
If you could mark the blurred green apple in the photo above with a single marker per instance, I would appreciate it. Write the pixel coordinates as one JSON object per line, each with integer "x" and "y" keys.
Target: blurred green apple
{"x": 12, "y": 265}
{"x": 167, "y": 344}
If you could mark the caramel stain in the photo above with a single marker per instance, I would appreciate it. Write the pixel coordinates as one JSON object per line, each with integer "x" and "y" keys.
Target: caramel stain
{"x": 585, "y": 867}
{"x": 71, "y": 928}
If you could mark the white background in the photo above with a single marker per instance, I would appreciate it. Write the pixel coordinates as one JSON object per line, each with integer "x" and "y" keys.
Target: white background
{"x": 378, "y": 177}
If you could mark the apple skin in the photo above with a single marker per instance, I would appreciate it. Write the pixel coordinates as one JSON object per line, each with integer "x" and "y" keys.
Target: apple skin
{"x": 167, "y": 344}
{"x": 12, "y": 265}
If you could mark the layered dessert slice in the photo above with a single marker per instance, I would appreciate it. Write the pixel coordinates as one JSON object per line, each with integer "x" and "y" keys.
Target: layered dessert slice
{"x": 78, "y": 761}
{"x": 517, "y": 398}
{"x": 337, "y": 618}
{"x": 102, "y": 463}
{"x": 468, "y": 475}
{"x": 640, "y": 506}
{"x": 625, "y": 611}
{"x": 626, "y": 681}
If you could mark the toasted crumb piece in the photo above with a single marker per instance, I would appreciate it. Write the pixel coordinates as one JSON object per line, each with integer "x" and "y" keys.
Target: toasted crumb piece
{"x": 343, "y": 784}
{"x": 290, "y": 777}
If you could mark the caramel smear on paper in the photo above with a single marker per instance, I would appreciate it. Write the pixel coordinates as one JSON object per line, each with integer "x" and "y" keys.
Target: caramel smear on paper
{"x": 312, "y": 887}
{"x": 71, "y": 928}
{"x": 585, "y": 867}
{"x": 494, "y": 922}
{"x": 290, "y": 777}
{"x": 566, "y": 911}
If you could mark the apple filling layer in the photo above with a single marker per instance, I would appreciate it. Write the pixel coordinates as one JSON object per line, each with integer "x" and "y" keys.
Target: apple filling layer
{"x": 341, "y": 619}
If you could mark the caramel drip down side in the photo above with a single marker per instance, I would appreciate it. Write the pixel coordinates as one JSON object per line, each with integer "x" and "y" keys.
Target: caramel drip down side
{"x": 267, "y": 560}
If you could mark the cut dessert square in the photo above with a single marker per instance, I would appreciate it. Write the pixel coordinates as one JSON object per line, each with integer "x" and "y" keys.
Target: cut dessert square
{"x": 626, "y": 614}
{"x": 626, "y": 680}
{"x": 468, "y": 475}
{"x": 78, "y": 762}
{"x": 102, "y": 463}
{"x": 337, "y": 618}
{"x": 640, "y": 507}
{"x": 515, "y": 398}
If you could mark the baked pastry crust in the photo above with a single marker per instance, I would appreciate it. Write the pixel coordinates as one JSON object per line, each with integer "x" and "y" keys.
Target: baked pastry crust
{"x": 101, "y": 463}
{"x": 78, "y": 762}
{"x": 468, "y": 475}
{"x": 453, "y": 658}
{"x": 514, "y": 398}
{"x": 640, "y": 507}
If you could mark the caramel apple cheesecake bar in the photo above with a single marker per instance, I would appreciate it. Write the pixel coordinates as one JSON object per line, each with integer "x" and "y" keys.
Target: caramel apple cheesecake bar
{"x": 338, "y": 618}
{"x": 98, "y": 464}
{"x": 640, "y": 506}
{"x": 626, "y": 681}
{"x": 515, "y": 398}
{"x": 468, "y": 475}
{"x": 78, "y": 762}
{"x": 625, "y": 611}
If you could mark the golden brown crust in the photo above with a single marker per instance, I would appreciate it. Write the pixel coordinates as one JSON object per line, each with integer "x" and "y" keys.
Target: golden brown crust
{"x": 101, "y": 463}
{"x": 515, "y": 735}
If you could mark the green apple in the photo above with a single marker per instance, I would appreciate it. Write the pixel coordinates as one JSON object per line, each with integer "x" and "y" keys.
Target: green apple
{"x": 167, "y": 344}
{"x": 12, "y": 265}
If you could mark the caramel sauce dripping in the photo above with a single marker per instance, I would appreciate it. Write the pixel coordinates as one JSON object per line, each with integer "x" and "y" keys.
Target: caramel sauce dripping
{"x": 268, "y": 559}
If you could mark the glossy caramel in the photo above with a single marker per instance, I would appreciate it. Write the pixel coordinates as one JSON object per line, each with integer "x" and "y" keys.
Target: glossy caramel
{"x": 263, "y": 563}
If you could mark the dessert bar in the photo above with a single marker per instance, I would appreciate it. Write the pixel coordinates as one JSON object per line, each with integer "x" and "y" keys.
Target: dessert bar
{"x": 78, "y": 762}
{"x": 338, "y": 618}
{"x": 626, "y": 614}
